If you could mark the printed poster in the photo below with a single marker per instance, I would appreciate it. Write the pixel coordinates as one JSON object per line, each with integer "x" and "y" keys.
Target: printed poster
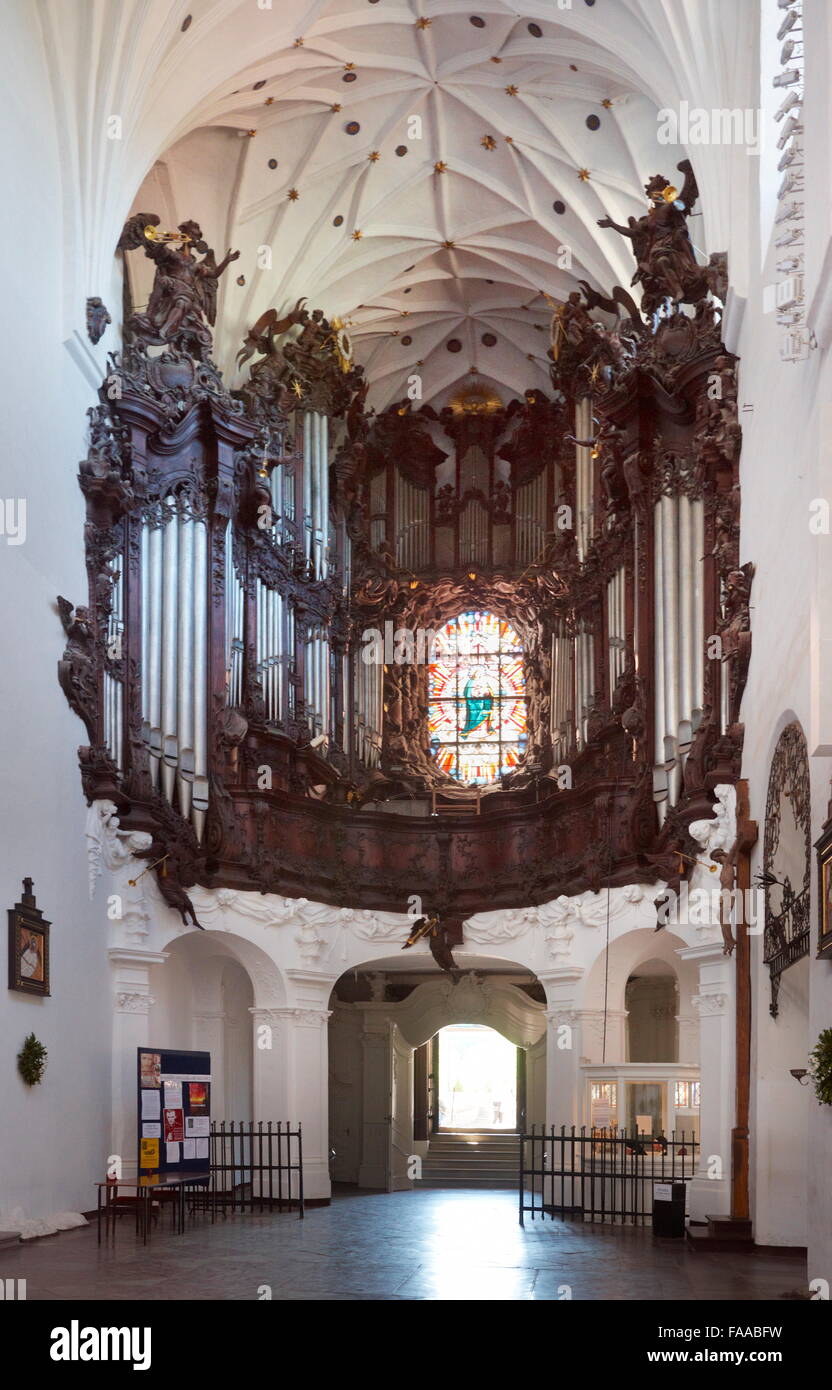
{"x": 171, "y": 1153}
{"x": 151, "y": 1069}
{"x": 151, "y": 1107}
{"x": 189, "y": 1148}
{"x": 151, "y": 1131}
{"x": 196, "y": 1125}
{"x": 174, "y": 1127}
{"x": 198, "y": 1098}
{"x": 149, "y": 1153}
{"x": 173, "y": 1094}
{"x": 202, "y": 1148}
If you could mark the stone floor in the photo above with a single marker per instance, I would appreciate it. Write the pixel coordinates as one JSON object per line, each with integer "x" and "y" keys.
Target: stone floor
{"x": 435, "y": 1244}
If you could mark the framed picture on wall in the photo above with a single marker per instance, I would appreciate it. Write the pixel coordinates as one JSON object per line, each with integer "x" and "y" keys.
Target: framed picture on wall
{"x": 28, "y": 945}
{"x": 824, "y": 848}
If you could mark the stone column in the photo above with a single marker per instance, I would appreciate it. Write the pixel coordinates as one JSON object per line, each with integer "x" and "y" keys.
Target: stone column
{"x": 710, "y": 1189}
{"x": 291, "y": 1073}
{"x": 131, "y": 1009}
{"x": 563, "y": 1045}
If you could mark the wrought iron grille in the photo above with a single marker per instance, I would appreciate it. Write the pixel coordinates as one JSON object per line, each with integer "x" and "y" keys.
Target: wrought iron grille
{"x": 602, "y": 1175}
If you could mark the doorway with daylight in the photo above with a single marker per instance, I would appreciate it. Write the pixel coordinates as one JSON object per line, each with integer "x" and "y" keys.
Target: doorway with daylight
{"x": 477, "y": 1077}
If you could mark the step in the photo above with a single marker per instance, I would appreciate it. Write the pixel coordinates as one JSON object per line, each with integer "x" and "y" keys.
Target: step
{"x": 9, "y": 1238}
{"x": 502, "y": 1183}
{"x": 721, "y": 1236}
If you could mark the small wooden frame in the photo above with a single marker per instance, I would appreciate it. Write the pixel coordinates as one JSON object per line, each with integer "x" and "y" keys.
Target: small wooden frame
{"x": 28, "y": 945}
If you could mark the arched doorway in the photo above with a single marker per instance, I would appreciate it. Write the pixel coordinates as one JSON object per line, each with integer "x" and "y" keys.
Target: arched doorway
{"x": 384, "y": 1099}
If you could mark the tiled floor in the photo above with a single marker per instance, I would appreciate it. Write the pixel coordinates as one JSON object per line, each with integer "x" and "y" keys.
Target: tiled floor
{"x": 434, "y": 1244}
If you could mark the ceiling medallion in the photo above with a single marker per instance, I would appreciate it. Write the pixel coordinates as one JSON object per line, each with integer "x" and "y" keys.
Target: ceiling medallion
{"x": 489, "y": 339}
{"x": 593, "y": 122}
{"x": 401, "y": 150}
{"x": 336, "y": 106}
{"x": 606, "y": 103}
{"x": 584, "y": 175}
{"x": 349, "y": 77}
{"x": 406, "y": 340}
{"x": 496, "y": 60}
{"x": 488, "y": 142}
{"x": 559, "y": 207}
{"x": 269, "y": 101}
{"x": 374, "y": 156}
{"x": 477, "y": 22}
{"x": 272, "y": 163}
{"x": 293, "y": 195}
{"x": 241, "y": 279}
{"x": 535, "y": 31}
{"x": 298, "y": 43}
{"x": 259, "y": 85}
{"x": 440, "y": 167}
{"x": 338, "y": 221}
{"x": 186, "y": 22}
{"x": 448, "y": 245}
{"x": 423, "y": 23}
{"x": 357, "y": 235}
{"x": 454, "y": 345}
{"x": 352, "y": 127}
{"x": 511, "y": 90}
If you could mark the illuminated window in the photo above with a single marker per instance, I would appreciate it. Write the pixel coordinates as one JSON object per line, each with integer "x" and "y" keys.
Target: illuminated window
{"x": 477, "y": 698}
{"x": 687, "y": 1095}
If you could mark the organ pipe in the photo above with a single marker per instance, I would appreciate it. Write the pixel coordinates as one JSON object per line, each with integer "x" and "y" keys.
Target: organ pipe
{"x": 678, "y": 640}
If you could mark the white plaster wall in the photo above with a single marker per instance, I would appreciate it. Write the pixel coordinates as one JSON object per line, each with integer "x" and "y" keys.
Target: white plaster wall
{"x": 53, "y": 1137}
{"x": 785, "y": 464}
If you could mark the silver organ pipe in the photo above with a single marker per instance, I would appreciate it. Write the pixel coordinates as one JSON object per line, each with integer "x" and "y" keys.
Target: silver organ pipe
{"x": 584, "y": 429}
{"x": 170, "y": 605}
{"x": 562, "y": 704}
{"x": 679, "y": 640}
{"x": 473, "y": 533}
{"x": 113, "y": 687}
{"x": 271, "y": 651}
{"x": 616, "y": 633}
{"x": 307, "y": 484}
{"x": 200, "y": 602}
{"x": 412, "y": 524}
{"x": 234, "y": 619}
{"x": 531, "y": 518}
{"x": 174, "y": 645}
{"x": 324, "y": 475}
{"x": 152, "y": 673}
{"x": 369, "y": 682}
{"x": 584, "y": 680}
{"x": 185, "y": 669}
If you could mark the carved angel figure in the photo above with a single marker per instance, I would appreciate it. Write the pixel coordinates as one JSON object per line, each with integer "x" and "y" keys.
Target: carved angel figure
{"x": 184, "y": 294}
{"x": 665, "y": 258}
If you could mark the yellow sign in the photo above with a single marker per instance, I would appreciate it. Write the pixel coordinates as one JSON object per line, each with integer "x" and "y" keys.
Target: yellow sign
{"x": 149, "y": 1153}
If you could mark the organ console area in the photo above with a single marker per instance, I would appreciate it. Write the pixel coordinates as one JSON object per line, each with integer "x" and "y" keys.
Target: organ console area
{"x": 244, "y": 545}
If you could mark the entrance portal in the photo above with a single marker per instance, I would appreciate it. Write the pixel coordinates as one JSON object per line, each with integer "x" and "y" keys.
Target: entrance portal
{"x": 476, "y": 1082}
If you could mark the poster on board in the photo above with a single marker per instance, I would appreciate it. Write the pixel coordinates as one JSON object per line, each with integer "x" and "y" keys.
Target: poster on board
{"x": 174, "y": 1114}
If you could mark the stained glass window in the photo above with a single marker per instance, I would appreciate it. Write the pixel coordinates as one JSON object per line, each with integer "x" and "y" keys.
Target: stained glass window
{"x": 477, "y": 704}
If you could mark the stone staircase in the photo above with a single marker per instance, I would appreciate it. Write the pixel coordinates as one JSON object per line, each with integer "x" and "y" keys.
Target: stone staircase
{"x": 471, "y": 1160}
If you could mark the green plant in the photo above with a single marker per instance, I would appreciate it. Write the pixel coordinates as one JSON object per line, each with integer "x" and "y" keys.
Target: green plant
{"x": 31, "y": 1061}
{"x": 820, "y": 1066}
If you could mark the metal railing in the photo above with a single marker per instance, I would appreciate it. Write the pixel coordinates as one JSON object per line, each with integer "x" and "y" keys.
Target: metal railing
{"x": 599, "y": 1174}
{"x": 255, "y": 1166}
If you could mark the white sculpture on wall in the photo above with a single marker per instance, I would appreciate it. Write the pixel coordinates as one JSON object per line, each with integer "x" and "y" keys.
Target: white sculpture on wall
{"x": 109, "y": 847}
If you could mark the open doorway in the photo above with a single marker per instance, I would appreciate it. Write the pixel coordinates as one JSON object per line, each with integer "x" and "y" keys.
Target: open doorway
{"x": 477, "y": 1079}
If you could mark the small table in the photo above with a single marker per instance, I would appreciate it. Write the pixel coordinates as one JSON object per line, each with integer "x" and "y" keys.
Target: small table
{"x": 145, "y": 1188}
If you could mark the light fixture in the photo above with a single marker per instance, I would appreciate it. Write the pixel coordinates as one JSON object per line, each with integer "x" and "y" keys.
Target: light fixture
{"x": 800, "y": 1074}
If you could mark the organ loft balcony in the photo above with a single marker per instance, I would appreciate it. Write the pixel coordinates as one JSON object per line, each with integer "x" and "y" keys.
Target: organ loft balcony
{"x": 486, "y": 654}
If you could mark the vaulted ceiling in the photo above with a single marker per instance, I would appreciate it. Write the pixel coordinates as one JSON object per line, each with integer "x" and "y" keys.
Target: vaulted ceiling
{"x": 428, "y": 170}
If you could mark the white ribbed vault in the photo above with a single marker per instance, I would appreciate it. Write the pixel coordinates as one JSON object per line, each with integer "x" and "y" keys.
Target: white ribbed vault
{"x": 520, "y": 110}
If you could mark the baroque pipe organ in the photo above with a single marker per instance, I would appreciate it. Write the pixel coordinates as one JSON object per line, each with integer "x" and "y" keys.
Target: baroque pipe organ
{"x": 241, "y": 546}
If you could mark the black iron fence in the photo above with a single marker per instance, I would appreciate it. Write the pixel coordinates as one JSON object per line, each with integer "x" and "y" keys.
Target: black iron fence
{"x": 255, "y": 1166}
{"x": 599, "y": 1174}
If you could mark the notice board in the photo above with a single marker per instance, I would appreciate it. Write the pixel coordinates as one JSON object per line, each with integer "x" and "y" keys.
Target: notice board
{"x": 174, "y": 1113}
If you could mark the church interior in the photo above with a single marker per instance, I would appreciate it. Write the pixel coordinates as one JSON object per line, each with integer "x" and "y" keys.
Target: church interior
{"x": 415, "y": 545}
